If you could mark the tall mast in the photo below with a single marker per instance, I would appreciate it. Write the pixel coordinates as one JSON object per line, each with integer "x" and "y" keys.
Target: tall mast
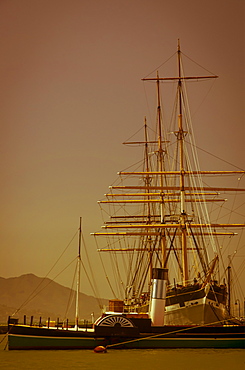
{"x": 147, "y": 167}
{"x": 180, "y": 136}
{"x": 78, "y": 275}
{"x": 147, "y": 184}
{"x": 160, "y": 167}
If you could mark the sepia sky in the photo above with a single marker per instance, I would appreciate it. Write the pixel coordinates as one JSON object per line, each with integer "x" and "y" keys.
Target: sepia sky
{"x": 71, "y": 93}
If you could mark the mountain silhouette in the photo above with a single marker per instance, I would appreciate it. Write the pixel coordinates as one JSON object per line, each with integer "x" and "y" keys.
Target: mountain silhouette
{"x": 41, "y": 297}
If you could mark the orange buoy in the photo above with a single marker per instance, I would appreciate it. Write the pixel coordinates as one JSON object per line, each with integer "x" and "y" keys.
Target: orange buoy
{"x": 100, "y": 349}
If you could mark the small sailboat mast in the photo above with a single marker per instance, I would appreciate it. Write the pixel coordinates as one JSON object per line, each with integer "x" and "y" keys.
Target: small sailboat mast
{"x": 78, "y": 275}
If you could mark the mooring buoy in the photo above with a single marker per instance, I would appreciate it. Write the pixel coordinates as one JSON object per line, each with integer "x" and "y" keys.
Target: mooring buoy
{"x": 100, "y": 349}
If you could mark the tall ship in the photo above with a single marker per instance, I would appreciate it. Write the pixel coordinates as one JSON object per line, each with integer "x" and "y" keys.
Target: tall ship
{"x": 172, "y": 286}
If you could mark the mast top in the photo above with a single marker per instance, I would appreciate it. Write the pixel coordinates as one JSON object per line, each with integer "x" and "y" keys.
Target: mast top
{"x": 180, "y": 77}
{"x": 179, "y": 45}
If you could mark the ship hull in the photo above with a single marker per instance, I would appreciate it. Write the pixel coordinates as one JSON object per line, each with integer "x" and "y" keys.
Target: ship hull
{"x": 34, "y": 338}
{"x": 196, "y": 306}
{"x": 199, "y": 312}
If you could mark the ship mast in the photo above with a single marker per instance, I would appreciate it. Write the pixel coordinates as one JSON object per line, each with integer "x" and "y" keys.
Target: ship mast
{"x": 147, "y": 184}
{"x": 180, "y": 135}
{"x": 78, "y": 275}
{"x": 161, "y": 169}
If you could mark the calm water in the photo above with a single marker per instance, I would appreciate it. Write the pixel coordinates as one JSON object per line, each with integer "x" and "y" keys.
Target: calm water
{"x": 127, "y": 360}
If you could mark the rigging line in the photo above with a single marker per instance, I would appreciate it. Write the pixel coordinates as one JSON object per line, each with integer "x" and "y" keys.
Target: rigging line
{"x": 166, "y": 157}
{"x": 195, "y": 157}
{"x": 133, "y": 262}
{"x": 137, "y": 277}
{"x": 178, "y": 261}
{"x": 4, "y": 337}
{"x": 72, "y": 293}
{"x": 196, "y": 263}
{"x": 138, "y": 265}
{"x": 123, "y": 262}
{"x": 204, "y": 98}
{"x": 160, "y": 65}
{"x": 220, "y": 209}
{"x": 141, "y": 283}
{"x": 197, "y": 64}
{"x": 223, "y": 251}
{"x": 215, "y": 156}
{"x": 121, "y": 244}
{"x": 115, "y": 292}
{"x": 229, "y": 211}
{"x": 91, "y": 285}
{"x": 202, "y": 213}
{"x": 102, "y": 212}
{"x": 174, "y": 113}
{"x": 55, "y": 264}
{"x": 170, "y": 247}
{"x": 140, "y": 129}
{"x": 143, "y": 262}
{"x": 232, "y": 210}
{"x": 163, "y": 334}
{"x": 224, "y": 267}
{"x": 61, "y": 254}
{"x": 106, "y": 276}
{"x": 236, "y": 279}
{"x": 239, "y": 241}
{"x": 130, "y": 268}
{"x": 31, "y": 296}
{"x": 32, "y": 293}
{"x": 90, "y": 268}
{"x": 148, "y": 106}
{"x": 138, "y": 164}
{"x": 198, "y": 251}
{"x": 237, "y": 287}
{"x": 116, "y": 273}
{"x": 240, "y": 270}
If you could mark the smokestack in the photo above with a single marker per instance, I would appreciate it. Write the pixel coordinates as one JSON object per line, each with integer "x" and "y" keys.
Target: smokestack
{"x": 158, "y": 296}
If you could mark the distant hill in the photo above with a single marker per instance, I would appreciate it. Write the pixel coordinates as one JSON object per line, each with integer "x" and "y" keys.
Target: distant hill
{"x": 35, "y": 296}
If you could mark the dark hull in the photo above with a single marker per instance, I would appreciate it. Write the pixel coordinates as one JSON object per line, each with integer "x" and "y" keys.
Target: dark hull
{"x": 28, "y": 338}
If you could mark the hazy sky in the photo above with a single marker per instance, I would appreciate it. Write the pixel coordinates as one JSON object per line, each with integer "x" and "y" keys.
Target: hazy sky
{"x": 71, "y": 93}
